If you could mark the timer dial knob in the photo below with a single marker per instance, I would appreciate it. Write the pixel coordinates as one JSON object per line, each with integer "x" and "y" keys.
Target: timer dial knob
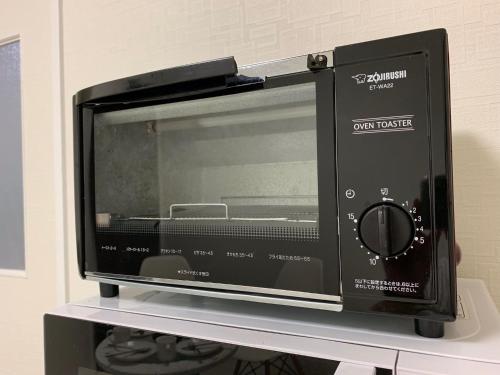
{"x": 386, "y": 229}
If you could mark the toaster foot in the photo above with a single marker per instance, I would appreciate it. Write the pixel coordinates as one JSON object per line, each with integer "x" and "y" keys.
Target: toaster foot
{"x": 108, "y": 290}
{"x": 429, "y": 328}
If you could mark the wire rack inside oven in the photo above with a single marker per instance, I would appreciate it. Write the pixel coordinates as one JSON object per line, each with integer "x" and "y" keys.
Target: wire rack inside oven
{"x": 286, "y": 222}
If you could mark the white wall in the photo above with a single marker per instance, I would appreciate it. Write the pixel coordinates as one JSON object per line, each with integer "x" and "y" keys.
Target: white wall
{"x": 25, "y": 299}
{"x": 108, "y": 39}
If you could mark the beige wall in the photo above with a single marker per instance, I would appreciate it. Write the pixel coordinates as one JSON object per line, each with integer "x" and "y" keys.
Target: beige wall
{"x": 25, "y": 299}
{"x": 108, "y": 39}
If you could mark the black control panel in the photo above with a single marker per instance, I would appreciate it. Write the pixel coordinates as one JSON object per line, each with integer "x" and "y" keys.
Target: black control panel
{"x": 383, "y": 176}
{"x": 394, "y": 171}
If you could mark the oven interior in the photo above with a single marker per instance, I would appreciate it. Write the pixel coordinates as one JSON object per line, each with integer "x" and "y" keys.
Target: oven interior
{"x": 241, "y": 165}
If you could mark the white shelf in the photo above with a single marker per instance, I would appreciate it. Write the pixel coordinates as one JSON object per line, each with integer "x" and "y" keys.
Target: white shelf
{"x": 361, "y": 339}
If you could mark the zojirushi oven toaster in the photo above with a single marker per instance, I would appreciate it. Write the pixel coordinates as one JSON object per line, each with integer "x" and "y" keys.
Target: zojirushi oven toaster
{"x": 320, "y": 181}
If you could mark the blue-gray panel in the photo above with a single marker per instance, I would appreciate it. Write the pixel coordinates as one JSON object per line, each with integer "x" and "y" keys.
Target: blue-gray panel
{"x": 11, "y": 168}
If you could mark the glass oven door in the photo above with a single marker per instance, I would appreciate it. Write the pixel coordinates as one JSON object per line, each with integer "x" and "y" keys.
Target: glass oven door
{"x": 81, "y": 347}
{"x": 233, "y": 192}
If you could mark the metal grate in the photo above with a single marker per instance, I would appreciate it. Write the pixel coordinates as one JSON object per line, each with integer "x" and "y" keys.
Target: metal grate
{"x": 204, "y": 228}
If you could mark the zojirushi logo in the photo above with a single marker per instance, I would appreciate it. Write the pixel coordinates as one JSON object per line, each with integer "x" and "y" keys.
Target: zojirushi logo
{"x": 379, "y": 77}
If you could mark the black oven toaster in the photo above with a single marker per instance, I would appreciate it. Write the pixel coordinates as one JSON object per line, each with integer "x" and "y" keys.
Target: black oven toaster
{"x": 321, "y": 181}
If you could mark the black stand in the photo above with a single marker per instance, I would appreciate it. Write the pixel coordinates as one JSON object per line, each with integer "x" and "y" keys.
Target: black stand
{"x": 429, "y": 328}
{"x": 108, "y": 290}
